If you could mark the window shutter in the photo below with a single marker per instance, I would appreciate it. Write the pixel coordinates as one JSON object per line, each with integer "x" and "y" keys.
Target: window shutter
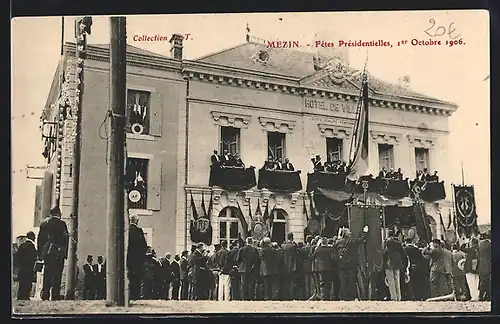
{"x": 46, "y": 195}
{"x": 156, "y": 116}
{"x": 154, "y": 184}
{"x": 38, "y": 206}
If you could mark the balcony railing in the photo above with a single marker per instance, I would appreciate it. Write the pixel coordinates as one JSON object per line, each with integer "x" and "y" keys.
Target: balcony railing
{"x": 395, "y": 189}
{"x": 232, "y": 178}
{"x": 280, "y": 180}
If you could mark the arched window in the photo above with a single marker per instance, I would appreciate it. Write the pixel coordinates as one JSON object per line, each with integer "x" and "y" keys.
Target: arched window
{"x": 229, "y": 228}
{"x": 279, "y": 225}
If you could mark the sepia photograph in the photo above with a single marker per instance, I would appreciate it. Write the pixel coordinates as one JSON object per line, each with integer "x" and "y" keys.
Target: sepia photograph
{"x": 298, "y": 162}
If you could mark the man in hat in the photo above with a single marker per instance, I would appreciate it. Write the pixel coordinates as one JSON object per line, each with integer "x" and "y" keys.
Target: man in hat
{"x": 395, "y": 263}
{"x": 323, "y": 265}
{"x": 458, "y": 275}
{"x": 53, "y": 240}
{"x": 136, "y": 254}
{"x": 183, "y": 275}
{"x": 318, "y": 166}
{"x": 346, "y": 250}
{"x": 100, "y": 278}
{"x": 246, "y": 260}
{"x": 485, "y": 267}
{"x": 417, "y": 270}
{"x": 176, "y": 274}
{"x": 269, "y": 269}
{"x": 290, "y": 254}
{"x": 438, "y": 279}
{"x": 89, "y": 282}
{"x": 224, "y": 284}
{"x": 307, "y": 267}
{"x": 25, "y": 260}
{"x": 199, "y": 267}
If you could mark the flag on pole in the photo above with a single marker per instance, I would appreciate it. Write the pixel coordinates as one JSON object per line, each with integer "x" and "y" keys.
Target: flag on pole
{"x": 250, "y": 209}
{"x": 242, "y": 219}
{"x": 359, "y": 162}
{"x": 442, "y": 226}
{"x": 449, "y": 219}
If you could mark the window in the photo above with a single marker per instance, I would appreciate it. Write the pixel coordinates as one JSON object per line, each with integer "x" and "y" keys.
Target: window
{"x": 229, "y": 224}
{"x": 278, "y": 230}
{"x": 138, "y": 110}
{"x": 230, "y": 140}
{"x": 334, "y": 149}
{"x": 421, "y": 158}
{"x": 136, "y": 184}
{"x": 276, "y": 145}
{"x": 386, "y": 156}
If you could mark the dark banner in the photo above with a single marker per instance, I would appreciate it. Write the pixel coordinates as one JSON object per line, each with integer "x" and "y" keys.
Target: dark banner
{"x": 465, "y": 207}
{"x": 280, "y": 181}
{"x": 326, "y": 180}
{"x": 422, "y": 224}
{"x": 402, "y": 217}
{"x": 371, "y": 254}
{"x": 230, "y": 178}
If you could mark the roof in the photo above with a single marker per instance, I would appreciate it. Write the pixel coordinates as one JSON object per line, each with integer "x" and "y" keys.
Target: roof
{"x": 294, "y": 63}
{"x": 133, "y": 50}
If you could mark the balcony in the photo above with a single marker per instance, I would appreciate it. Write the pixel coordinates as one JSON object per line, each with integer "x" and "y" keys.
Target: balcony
{"x": 280, "y": 180}
{"x": 430, "y": 191}
{"x": 232, "y": 178}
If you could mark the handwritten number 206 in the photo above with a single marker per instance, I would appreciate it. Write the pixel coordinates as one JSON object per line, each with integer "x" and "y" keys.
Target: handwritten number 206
{"x": 440, "y": 31}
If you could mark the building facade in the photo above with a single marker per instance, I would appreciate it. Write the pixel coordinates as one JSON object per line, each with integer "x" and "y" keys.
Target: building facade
{"x": 250, "y": 100}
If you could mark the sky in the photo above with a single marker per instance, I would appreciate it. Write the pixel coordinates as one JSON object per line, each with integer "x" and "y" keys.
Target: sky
{"x": 455, "y": 74}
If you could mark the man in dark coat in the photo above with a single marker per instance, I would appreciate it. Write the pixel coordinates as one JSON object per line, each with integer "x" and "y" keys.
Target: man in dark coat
{"x": 89, "y": 281}
{"x": 199, "y": 269}
{"x": 176, "y": 275}
{"x": 307, "y": 267}
{"x": 136, "y": 255}
{"x": 395, "y": 263}
{"x": 233, "y": 270}
{"x": 166, "y": 276}
{"x": 485, "y": 267}
{"x": 438, "y": 276}
{"x": 215, "y": 159}
{"x": 224, "y": 285}
{"x": 246, "y": 260}
{"x": 346, "y": 249}
{"x": 52, "y": 246}
{"x": 100, "y": 278}
{"x": 269, "y": 260}
{"x": 25, "y": 258}
{"x": 289, "y": 268}
{"x": 148, "y": 282}
{"x": 323, "y": 264}
{"x": 184, "y": 265}
{"x": 417, "y": 271}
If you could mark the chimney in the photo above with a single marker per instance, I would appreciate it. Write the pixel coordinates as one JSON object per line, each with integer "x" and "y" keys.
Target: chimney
{"x": 176, "y": 46}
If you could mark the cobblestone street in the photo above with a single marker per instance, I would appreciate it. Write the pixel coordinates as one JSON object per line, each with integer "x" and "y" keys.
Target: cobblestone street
{"x": 184, "y": 307}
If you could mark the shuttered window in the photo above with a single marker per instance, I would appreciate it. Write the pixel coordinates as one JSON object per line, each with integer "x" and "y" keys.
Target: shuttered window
{"x": 143, "y": 183}
{"x": 334, "y": 149}
{"x": 276, "y": 145}
{"x": 421, "y": 159}
{"x": 230, "y": 140}
{"x": 144, "y": 112}
{"x": 228, "y": 224}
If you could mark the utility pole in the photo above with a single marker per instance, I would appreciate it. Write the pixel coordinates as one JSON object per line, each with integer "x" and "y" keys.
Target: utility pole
{"x": 82, "y": 28}
{"x": 115, "y": 243}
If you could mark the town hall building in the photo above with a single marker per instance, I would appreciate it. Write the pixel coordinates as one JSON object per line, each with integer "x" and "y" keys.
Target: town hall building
{"x": 251, "y": 101}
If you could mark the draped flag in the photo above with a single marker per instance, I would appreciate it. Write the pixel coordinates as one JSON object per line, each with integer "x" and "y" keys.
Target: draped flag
{"x": 194, "y": 212}
{"x": 203, "y": 204}
{"x": 465, "y": 207}
{"x": 358, "y": 163}
{"x": 210, "y": 206}
{"x": 242, "y": 219}
{"x": 304, "y": 209}
{"x": 443, "y": 228}
{"x": 200, "y": 227}
{"x": 449, "y": 219}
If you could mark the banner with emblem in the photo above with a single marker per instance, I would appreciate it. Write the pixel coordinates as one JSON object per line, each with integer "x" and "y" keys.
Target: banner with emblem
{"x": 465, "y": 208}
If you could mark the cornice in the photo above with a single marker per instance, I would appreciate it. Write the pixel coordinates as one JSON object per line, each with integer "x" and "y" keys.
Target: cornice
{"x": 229, "y": 76}
{"x": 385, "y": 137}
{"x": 335, "y": 129}
{"x": 277, "y": 123}
{"x": 231, "y": 118}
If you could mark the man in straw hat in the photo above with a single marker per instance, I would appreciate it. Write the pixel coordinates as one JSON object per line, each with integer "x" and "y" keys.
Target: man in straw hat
{"x": 53, "y": 241}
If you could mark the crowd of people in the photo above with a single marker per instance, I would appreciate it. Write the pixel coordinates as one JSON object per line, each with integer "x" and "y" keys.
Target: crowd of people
{"x": 226, "y": 160}
{"x": 335, "y": 167}
{"x": 320, "y": 269}
{"x": 277, "y": 164}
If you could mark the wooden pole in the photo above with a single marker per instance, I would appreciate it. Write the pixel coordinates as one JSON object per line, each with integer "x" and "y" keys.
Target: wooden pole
{"x": 115, "y": 272}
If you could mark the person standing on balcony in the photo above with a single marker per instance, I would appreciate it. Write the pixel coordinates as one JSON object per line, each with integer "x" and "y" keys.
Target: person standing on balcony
{"x": 288, "y": 166}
